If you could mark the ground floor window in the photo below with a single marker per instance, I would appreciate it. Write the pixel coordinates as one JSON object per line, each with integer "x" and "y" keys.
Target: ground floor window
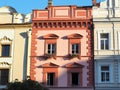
{"x": 105, "y": 73}
{"x": 75, "y": 79}
{"x": 50, "y": 79}
{"x": 4, "y": 76}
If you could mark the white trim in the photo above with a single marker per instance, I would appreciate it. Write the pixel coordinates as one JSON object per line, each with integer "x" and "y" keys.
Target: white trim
{"x": 109, "y": 40}
{"x": 119, "y": 40}
{"x": 99, "y": 71}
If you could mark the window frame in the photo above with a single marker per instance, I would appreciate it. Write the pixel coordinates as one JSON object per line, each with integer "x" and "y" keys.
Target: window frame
{"x": 2, "y": 50}
{"x": 71, "y": 80}
{"x": 75, "y": 50}
{"x": 52, "y": 48}
{"x": 105, "y": 72}
{"x": 105, "y": 40}
{"x": 1, "y": 83}
{"x": 50, "y": 79}
{"x": 110, "y": 74}
{"x": 99, "y": 41}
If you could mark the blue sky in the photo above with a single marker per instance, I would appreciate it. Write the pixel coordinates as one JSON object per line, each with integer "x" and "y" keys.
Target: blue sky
{"x": 26, "y": 6}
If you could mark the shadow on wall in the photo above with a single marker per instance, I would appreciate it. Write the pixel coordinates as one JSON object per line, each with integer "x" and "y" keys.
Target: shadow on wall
{"x": 25, "y": 36}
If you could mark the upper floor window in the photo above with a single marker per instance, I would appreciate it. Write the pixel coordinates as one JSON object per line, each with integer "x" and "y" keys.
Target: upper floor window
{"x": 5, "y": 51}
{"x": 51, "y": 49}
{"x": 5, "y": 47}
{"x": 75, "y": 48}
{"x": 50, "y": 45}
{"x": 74, "y": 43}
{"x": 105, "y": 74}
{"x": 104, "y": 41}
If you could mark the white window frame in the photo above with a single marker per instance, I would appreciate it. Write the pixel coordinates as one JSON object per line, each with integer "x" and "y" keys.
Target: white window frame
{"x": 99, "y": 41}
{"x": 110, "y": 74}
{"x": 75, "y": 48}
{"x": 51, "y": 48}
{"x": 119, "y": 40}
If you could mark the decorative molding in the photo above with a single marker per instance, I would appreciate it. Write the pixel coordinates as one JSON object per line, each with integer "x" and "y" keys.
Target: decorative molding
{"x": 62, "y": 24}
{"x": 4, "y": 63}
{"x": 5, "y": 38}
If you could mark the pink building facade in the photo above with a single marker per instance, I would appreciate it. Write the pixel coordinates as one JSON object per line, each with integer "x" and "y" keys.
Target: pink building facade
{"x": 61, "y": 50}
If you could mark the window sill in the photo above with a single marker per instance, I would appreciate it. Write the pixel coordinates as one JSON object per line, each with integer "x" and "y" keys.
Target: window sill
{"x": 5, "y": 57}
{"x": 49, "y": 56}
{"x": 71, "y": 56}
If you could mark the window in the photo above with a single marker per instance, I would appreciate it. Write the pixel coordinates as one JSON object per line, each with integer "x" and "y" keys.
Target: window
{"x": 105, "y": 74}
{"x": 50, "y": 79}
{"x": 104, "y": 41}
{"x": 51, "y": 49}
{"x": 5, "y": 51}
{"x": 74, "y": 79}
{"x": 75, "y": 48}
{"x": 4, "y": 74}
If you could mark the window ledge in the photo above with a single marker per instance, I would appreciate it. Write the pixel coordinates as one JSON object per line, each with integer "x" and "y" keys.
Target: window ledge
{"x": 48, "y": 56}
{"x": 5, "y": 57}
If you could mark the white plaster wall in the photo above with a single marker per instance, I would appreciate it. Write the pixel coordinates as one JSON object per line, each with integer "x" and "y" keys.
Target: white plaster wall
{"x": 10, "y": 34}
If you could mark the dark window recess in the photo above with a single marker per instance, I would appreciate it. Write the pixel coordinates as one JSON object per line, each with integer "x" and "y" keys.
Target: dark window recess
{"x": 5, "y": 50}
{"x": 75, "y": 79}
{"x": 50, "y": 79}
{"x": 4, "y": 74}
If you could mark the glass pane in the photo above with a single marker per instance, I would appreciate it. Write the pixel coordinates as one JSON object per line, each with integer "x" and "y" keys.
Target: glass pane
{"x": 107, "y": 76}
{"x": 102, "y": 76}
{"x": 4, "y": 74}
{"x": 50, "y": 79}
{"x": 104, "y": 35}
{"x": 102, "y": 44}
{"x": 75, "y": 79}
{"x": 105, "y": 68}
{"x": 51, "y": 48}
{"x": 75, "y": 48}
{"x": 106, "y": 44}
{"x": 49, "y": 45}
{"x": 5, "y": 50}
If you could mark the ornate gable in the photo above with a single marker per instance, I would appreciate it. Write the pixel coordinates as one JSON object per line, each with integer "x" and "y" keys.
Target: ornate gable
{"x": 5, "y": 39}
{"x": 74, "y": 65}
{"x": 74, "y": 36}
{"x": 50, "y": 36}
{"x": 50, "y": 65}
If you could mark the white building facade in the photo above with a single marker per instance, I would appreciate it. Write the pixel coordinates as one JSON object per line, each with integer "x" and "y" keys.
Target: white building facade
{"x": 106, "y": 19}
{"x": 15, "y": 36}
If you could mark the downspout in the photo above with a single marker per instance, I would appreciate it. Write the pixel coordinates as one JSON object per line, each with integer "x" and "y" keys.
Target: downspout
{"x": 29, "y": 51}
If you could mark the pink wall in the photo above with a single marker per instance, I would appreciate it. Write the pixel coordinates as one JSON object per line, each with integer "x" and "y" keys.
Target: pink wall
{"x": 62, "y": 15}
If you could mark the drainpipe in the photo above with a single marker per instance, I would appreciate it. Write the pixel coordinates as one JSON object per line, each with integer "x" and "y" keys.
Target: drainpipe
{"x": 29, "y": 52}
